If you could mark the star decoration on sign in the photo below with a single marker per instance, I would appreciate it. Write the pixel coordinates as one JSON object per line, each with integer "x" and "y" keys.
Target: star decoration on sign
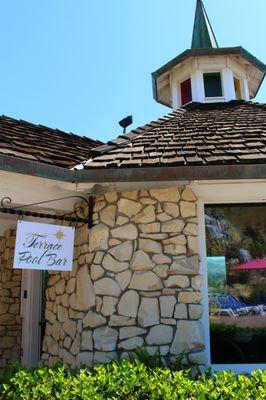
{"x": 59, "y": 235}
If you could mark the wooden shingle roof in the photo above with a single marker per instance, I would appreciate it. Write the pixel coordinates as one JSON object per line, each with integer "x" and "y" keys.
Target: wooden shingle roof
{"x": 199, "y": 134}
{"x": 38, "y": 143}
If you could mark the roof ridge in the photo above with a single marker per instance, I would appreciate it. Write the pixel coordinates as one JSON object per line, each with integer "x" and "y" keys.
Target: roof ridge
{"x": 60, "y": 131}
{"x": 221, "y": 133}
{"x": 110, "y": 145}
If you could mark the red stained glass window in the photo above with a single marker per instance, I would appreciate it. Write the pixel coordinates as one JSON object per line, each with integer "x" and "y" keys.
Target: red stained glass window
{"x": 186, "y": 94}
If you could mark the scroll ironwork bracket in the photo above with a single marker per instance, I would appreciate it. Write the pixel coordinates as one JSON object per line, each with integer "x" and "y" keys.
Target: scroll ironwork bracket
{"x": 72, "y": 217}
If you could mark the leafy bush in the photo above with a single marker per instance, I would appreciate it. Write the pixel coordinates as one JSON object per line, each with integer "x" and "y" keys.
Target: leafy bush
{"x": 149, "y": 360}
{"x": 127, "y": 380}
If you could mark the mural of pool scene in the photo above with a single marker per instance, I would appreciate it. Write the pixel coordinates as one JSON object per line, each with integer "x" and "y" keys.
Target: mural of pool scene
{"x": 236, "y": 264}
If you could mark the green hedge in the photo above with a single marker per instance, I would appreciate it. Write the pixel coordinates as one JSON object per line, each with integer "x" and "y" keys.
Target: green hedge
{"x": 127, "y": 380}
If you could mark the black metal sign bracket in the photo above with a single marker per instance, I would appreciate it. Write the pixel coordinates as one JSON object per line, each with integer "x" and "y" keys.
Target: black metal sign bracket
{"x": 73, "y": 217}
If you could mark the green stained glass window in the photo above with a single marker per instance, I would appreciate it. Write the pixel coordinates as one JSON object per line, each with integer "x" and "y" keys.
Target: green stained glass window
{"x": 212, "y": 84}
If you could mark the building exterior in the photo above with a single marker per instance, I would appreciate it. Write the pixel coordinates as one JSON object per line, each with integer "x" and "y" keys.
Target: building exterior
{"x": 175, "y": 260}
{"x": 35, "y": 150}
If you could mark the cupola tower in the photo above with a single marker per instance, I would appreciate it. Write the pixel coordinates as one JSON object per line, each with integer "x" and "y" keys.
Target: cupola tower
{"x": 207, "y": 73}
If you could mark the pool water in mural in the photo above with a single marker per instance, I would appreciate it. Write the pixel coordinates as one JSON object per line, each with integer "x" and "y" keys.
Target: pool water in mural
{"x": 236, "y": 263}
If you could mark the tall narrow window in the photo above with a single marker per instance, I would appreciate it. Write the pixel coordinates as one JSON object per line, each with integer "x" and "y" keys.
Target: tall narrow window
{"x": 212, "y": 84}
{"x": 236, "y": 265}
{"x": 186, "y": 93}
{"x": 237, "y": 89}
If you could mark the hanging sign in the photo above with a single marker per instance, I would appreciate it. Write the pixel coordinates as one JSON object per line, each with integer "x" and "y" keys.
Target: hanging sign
{"x": 44, "y": 246}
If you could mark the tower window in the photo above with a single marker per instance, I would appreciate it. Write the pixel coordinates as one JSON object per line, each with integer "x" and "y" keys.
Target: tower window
{"x": 237, "y": 89}
{"x": 186, "y": 93}
{"x": 212, "y": 84}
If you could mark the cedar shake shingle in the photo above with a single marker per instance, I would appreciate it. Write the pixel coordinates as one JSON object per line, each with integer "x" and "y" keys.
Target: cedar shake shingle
{"x": 38, "y": 143}
{"x": 198, "y": 134}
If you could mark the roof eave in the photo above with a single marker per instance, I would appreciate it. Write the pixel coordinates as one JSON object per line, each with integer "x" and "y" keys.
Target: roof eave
{"x": 205, "y": 52}
{"x": 105, "y": 175}
{"x": 260, "y": 85}
{"x": 180, "y": 173}
{"x": 154, "y": 87}
{"x": 252, "y": 59}
{"x": 35, "y": 168}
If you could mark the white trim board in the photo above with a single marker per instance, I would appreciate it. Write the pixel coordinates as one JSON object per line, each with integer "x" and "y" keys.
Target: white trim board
{"x": 230, "y": 192}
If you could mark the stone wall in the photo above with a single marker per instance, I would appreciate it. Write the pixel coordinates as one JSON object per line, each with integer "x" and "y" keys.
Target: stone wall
{"x": 135, "y": 282}
{"x": 10, "y": 321}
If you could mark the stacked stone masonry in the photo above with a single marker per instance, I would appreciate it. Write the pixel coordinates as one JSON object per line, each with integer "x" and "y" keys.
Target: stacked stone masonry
{"x": 135, "y": 282}
{"x": 10, "y": 286}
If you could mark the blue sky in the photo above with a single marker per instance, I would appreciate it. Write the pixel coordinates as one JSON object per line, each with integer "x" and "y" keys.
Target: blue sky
{"x": 82, "y": 65}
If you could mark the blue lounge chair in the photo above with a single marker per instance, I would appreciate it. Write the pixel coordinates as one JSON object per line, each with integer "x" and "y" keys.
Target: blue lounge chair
{"x": 230, "y": 306}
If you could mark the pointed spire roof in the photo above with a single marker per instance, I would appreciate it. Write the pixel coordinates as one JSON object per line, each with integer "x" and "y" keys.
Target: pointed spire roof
{"x": 203, "y": 35}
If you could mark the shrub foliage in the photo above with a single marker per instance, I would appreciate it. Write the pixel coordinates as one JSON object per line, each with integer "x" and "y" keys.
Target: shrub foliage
{"x": 128, "y": 380}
